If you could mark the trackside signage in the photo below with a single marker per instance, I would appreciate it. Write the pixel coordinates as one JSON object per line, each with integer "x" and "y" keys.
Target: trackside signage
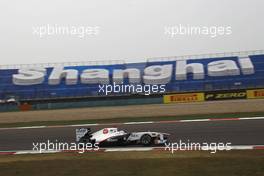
{"x": 255, "y": 94}
{"x": 226, "y": 95}
{"x": 152, "y": 74}
{"x": 183, "y": 98}
{"x": 214, "y": 96}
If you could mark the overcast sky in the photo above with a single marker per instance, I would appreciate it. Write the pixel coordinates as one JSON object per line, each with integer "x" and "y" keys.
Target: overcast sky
{"x": 128, "y": 29}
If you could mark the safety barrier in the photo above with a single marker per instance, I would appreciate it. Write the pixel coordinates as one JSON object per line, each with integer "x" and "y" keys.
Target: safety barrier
{"x": 133, "y": 100}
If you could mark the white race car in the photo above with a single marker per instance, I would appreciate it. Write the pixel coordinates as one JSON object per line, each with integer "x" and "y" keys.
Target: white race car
{"x": 113, "y": 136}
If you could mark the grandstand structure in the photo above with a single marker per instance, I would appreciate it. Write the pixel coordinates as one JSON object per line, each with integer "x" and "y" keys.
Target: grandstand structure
{"x": 79, "y": 93}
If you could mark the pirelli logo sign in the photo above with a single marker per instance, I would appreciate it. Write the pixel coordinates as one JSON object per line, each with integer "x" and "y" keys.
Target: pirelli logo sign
{"x": 254, "y": 94}
{"x": 183, "y": 98}
{"x": 226, "y": 95}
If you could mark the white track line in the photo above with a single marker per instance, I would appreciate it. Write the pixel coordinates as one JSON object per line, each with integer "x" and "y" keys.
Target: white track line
{"x": 22, "y": 128}
{"x": 251, "y": 118}
{"x": 22, "y": 152}
{"x": 129, "y": 149}
{"x": 142, "y": 149}
{"x": 198, "y": 120}
{"x": 93, "y": 124}
{"x": 137, "y": 123}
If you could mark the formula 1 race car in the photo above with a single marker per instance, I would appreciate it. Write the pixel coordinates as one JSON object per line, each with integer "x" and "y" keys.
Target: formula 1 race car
{"x": 113, "y": 136}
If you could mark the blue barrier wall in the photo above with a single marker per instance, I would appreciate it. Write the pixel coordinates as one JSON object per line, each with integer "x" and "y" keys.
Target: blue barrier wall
{"x": 7, "y": 88}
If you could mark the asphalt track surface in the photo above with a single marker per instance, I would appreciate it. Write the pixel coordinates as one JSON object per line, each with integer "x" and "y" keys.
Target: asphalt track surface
{"x": 244, "y": 132}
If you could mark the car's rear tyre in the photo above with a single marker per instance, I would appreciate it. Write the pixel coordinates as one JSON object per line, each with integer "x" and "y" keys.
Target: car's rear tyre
{"x": 146, "y": 140}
